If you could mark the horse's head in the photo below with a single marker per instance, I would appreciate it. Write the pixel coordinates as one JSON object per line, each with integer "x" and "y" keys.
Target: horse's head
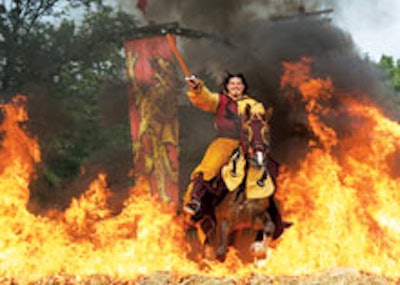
{"x": 255, "y": 136}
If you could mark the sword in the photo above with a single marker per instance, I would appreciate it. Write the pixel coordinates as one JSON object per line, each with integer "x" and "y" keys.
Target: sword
{"x": 169, "y": 29}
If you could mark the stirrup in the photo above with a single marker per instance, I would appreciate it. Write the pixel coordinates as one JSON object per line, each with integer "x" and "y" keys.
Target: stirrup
{"x": 192, "y": 208}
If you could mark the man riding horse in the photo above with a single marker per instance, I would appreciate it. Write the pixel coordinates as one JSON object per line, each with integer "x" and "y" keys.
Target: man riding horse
{"x": 228, "y": 106}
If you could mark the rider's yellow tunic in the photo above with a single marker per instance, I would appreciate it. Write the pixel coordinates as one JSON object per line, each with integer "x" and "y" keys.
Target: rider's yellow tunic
{"x": 221, "y": 149}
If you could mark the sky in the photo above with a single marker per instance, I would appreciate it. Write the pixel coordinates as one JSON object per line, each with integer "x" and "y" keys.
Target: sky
{"x": 374, "y": 25}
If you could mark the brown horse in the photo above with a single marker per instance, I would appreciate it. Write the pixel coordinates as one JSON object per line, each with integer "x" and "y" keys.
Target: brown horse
{"x": 227, "y": 205}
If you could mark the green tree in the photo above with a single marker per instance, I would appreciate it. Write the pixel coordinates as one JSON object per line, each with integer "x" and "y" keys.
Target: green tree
{"x": 66, "y": 70}
{"x": 392, "y": 69}
{"x": 20, "y": 21}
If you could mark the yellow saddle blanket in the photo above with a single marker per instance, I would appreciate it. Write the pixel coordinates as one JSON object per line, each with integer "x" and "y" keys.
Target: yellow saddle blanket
{"x": 253, "y": 189}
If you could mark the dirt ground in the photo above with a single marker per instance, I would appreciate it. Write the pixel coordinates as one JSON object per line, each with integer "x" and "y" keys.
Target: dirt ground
{"x": 338, "y": 276}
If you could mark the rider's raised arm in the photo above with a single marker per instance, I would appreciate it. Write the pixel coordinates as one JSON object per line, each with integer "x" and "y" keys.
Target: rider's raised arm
{"x": 201, "y": 97}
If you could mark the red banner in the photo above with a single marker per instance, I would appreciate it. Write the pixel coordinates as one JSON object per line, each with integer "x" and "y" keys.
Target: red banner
{"x": 153, "y": 111}
{"x": 142, "y": 5}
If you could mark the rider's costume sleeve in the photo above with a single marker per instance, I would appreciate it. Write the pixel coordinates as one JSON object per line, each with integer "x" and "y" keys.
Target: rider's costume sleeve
{"x": 204, "y": 99}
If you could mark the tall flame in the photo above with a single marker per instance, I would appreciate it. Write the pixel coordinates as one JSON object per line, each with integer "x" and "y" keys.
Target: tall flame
{"x": 86, "y": 239}
{"x": 343, "y": 199}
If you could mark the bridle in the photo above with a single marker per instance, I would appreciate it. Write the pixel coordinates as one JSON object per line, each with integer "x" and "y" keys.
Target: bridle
{"x": 254, "y": 139}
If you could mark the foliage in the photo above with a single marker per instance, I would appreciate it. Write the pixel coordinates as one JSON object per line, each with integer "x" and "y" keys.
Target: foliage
{"x": 64, "y": 67}
{"x": 392, "y": 69}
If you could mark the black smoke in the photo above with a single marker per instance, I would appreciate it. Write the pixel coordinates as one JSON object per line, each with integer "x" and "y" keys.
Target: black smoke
{"x": 259, "y": 44}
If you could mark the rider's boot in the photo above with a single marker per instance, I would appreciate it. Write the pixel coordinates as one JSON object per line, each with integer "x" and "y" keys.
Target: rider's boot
{"x": 193, "y": 207}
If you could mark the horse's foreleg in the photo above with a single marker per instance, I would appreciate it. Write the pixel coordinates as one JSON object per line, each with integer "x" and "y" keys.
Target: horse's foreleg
{"x": 223, "y": 240}
{"x": 259, "y": 249}
{"x": 268, "y": 225}
{"x": 276, "y": 218}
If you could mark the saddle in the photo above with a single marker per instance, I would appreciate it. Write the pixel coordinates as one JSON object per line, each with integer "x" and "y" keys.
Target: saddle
{"x": 259, "y": 183}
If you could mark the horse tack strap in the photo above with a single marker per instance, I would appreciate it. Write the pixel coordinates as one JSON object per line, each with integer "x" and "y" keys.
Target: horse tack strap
{"x": 232, "y": 178}
{"x": 254, "y": 190}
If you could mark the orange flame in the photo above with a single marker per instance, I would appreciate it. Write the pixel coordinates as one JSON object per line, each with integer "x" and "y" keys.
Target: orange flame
{"x": 344, "y": 202}
{"x": 345, "y": 207}
{"x": 86, "y": 238}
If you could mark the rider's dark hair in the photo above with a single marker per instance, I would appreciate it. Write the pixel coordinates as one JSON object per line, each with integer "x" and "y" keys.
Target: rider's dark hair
{"x": 238, "y": 75}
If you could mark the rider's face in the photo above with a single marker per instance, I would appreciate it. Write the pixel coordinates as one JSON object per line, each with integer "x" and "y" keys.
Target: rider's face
{"x": 235, "y": 87}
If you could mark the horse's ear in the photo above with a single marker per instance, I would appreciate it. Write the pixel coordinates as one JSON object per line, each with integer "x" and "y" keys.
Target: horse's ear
{"x": 268, "y": 113}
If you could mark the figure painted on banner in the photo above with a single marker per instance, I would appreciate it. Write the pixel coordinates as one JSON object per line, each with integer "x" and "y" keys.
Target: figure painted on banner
{"x": 154, "y": 128}
{"x": 228, "y": 107}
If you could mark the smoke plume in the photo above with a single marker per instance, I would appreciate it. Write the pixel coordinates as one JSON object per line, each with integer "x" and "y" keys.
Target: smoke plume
{"x": 262, "y": 35}
{"x": 255, "y": 37}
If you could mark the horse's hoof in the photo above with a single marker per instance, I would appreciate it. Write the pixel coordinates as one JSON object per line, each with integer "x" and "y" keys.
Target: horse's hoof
{"x": 221, "y": 258}
{"x": 287, "y": 225}
{"x": 280, "y": 229}
{"x": 221, "y": 254}
{"x": 259, "y": 249}
{"x": 262, "y": 259}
